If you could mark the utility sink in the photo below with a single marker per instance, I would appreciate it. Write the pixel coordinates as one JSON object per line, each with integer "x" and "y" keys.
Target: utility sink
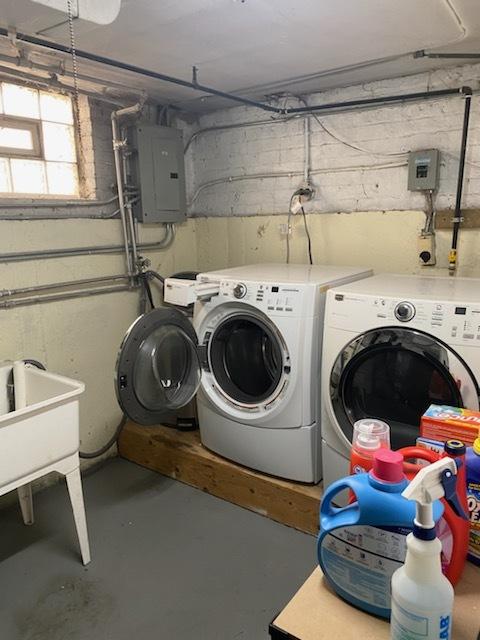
{"x": 39, "y": 434}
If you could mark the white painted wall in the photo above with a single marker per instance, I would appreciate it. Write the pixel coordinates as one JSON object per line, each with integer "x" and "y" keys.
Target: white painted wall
{"x": 385, "y": 241}
{"x": 345, "y": 178}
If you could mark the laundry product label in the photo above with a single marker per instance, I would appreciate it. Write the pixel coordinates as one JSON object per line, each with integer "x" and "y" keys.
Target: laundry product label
{"x": 362, "y": 559}
{"x": 473, "y": 500}
{"x": 414, "y": 625}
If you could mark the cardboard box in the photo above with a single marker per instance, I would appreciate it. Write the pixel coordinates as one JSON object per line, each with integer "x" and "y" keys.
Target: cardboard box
{"x": 443, "y": 423}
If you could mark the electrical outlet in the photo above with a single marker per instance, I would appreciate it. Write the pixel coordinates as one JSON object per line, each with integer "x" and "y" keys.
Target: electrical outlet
{"x": 285, "y": 229}
{"x": 426, "y": 249}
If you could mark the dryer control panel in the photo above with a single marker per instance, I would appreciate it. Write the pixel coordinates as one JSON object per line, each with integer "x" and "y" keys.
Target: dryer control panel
{"x": 451, "y": 322}
{"x": 270, "y": 298}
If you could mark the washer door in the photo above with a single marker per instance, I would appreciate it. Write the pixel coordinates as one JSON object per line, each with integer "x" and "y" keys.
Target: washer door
{"x": 158, "y": 367}
{"x": 395, "y": 374}
{"x": 246, "y": 359}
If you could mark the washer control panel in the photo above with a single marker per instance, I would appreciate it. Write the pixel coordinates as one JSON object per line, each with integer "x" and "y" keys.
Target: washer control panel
{"x": 452, "y": 322}
{"x": 270, "y": 298}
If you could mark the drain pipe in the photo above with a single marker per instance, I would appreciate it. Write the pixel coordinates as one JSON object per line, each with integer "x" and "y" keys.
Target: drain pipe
{"x": 457, "y": 218}
{"x": 125, "y": 214}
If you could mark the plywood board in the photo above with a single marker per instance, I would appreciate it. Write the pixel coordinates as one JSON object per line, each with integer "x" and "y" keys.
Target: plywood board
{"x": 316, "y": 612}
{"x": 180, "y": 455}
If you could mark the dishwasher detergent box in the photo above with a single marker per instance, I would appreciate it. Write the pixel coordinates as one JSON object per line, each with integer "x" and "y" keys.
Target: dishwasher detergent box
{"x": 440, "y": 422}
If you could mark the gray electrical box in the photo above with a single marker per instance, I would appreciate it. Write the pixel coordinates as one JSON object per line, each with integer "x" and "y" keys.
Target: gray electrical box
{"x": 423, "y": 170}
{"x": 157, "y": 167}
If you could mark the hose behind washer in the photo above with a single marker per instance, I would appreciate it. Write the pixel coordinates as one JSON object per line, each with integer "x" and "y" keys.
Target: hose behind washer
{"x": 99, "y": 452}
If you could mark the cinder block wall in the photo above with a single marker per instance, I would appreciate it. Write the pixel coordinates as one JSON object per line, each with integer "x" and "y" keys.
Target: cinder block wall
{"x": 359, "y": 168}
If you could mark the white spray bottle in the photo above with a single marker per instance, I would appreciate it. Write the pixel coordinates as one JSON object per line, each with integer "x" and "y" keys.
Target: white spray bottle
{"x": 422, "y": 597}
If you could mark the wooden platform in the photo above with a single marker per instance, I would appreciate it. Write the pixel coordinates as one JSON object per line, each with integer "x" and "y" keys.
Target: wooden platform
{"x": 180, "y": 455}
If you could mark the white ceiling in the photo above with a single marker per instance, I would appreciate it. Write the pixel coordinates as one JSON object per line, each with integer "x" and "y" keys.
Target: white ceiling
{"x": 263, "y": 46}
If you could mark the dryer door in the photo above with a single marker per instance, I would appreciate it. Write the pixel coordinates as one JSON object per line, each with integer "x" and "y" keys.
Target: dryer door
{"x": 394, "y": 374}
{"x": 158, "y": 367}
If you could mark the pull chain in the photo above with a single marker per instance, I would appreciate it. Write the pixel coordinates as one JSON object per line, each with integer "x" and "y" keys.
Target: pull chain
{"x": 73, "y": 51}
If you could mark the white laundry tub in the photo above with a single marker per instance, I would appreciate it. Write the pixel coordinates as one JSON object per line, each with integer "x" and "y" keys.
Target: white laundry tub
{"x": 44, "y": 431}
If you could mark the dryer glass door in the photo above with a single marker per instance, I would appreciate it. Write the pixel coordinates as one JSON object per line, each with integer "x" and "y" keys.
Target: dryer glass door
{"x": 158, "y": 367}
{"x": 394, "y": 374}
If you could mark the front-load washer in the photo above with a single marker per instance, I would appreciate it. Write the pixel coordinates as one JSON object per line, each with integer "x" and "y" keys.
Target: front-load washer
{"x": 253, "y": 355}
{"x": 393, "y": 345}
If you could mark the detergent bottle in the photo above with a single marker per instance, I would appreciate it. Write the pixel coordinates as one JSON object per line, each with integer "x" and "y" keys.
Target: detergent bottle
{"x": 361, "y": 545}
{"x": 422, "y": 597}
{"x": 473, "y": 498}
{"x": 452, "y": 530}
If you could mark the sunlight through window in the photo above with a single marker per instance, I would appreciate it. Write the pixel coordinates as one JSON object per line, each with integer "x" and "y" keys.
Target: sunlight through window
{"x": 38, "y": 153}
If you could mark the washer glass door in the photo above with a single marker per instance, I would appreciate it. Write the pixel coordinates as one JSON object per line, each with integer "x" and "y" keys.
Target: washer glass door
{"x": 395, "y": 374}
{"x": 158, "y": 367}
{"x": 246, "y": 358}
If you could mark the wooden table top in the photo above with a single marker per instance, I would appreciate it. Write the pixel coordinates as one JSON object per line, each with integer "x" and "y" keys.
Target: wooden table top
{"x": 316, "y": 612}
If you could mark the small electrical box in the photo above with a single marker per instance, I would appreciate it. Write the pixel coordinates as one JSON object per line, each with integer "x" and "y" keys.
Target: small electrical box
{"x": 157, "y": 167}
{"x": 426, "y": 249}
{"x": 423, "y": 170}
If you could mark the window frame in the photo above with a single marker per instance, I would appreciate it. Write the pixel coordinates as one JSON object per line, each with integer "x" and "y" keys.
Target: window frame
{"x": 23, "y": 124}
{"x": 35, "y": 126}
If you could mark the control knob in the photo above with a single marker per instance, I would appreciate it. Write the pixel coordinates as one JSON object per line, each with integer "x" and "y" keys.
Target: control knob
{"x": 239, "y": 290}
{"x": 404, "y": 311}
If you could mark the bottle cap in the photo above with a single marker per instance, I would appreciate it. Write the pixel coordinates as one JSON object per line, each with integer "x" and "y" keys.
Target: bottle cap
{"x": 388, "y": 466}
{"x": 455, "y": 448}
{"x": 370, "y": 434}
{"x": 476, "y": 446}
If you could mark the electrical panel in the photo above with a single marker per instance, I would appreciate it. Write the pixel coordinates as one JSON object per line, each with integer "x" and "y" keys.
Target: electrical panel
{"x": 423, "y": 170}
{"x": 157, "y": 168}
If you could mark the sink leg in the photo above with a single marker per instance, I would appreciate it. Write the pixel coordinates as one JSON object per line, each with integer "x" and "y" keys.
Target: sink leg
{"x": 74, "y": 484}
{"x": 26, "y": 503}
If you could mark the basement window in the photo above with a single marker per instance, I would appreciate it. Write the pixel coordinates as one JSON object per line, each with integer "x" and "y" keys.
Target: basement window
{"x": 38, "y": 154}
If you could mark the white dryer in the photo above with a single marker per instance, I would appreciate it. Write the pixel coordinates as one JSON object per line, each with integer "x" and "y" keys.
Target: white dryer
{"x": 393, "y": 345}
{"x": 253, "y": 354}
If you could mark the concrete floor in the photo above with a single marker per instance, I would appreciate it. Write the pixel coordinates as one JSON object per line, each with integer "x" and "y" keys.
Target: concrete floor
{"x": 169, "y": 562}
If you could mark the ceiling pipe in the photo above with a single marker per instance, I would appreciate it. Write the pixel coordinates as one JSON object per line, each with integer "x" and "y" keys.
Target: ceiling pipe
{"x": 363, "y": 102}
{"x": 86, "y": 55}
{"x": 447, "y": 56}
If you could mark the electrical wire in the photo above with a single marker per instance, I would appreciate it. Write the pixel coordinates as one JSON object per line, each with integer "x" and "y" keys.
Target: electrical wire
{"x": 309, "y": 240}
{"x": 289, "y": 231}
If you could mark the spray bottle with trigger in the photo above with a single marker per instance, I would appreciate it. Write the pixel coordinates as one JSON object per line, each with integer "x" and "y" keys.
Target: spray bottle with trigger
{"x": 422, "y": 597}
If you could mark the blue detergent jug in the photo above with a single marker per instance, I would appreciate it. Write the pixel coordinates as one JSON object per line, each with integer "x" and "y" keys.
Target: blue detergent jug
{"x": 361, "y": 545}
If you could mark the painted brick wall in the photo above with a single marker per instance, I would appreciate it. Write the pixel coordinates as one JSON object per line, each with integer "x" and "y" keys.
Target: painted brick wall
{"x": 346, "y": 179}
